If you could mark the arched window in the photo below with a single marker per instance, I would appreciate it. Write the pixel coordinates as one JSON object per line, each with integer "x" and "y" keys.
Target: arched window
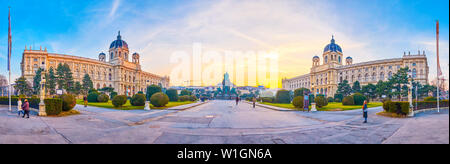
{"x": 374, "y": 77}
{"x": 414, "y": 73}
{"x": 326, "y": 59}
{"x": 359, "y": 77}
{"x": 339, "y": 59}
{"x": 366, "y": 77}
{"x": 381, "y": 76}
{"x": 389, "y": 75}
{"x": 112, "y": 55}
{"x": 110, "y": 77}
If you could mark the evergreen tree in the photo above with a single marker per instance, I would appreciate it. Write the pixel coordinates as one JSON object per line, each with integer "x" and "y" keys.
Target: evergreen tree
{"x": 23, "y": 87}
{"x": 344, "y": 88}
{"x": 369, "y": 90}
{"x": 87, "y": 84}
{"x": 60, "y": 76}
{"x": 398, "y": 80}
{"x": 50, "y": 81}
{"x": 77, "y": 88}
{"x": 356, "y": 87}
{"x": 37, "y": 81}
{"x": 68, "y": 79}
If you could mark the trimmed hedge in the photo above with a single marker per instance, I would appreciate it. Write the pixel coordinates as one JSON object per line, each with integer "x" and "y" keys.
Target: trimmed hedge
{"x": 358, "y": 99}
{"x": 348, "y": 100}
{"x": 321, "y": 101}
{"x": 399, "y": 107}
{"x": 34, "y": 102}
{"x": 103, "y": 98}
{"x": 298, "y": 102}
{"x": 92, "y": 97}
{"x": 268, "y": 99}
{"x": 53, "y": 106}
{"x": 159, "y": 99}
{"x": 138, "y": 100}
{"x": 119, "y": 100}
{"x": 112, "y": 95}
{"x": 430, "y": 98}
{"x": 283, "y": 96}
{"x": 69, "y": 102}
{"x": 173, "y": 94}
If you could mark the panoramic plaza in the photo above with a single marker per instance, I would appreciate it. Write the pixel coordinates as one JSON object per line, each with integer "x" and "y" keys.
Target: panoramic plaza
{"x": 224, "y": 72}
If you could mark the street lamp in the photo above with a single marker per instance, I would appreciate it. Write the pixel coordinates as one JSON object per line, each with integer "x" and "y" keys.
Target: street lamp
{"x": 411, "y": 107}
{"x": 42, "y": 95}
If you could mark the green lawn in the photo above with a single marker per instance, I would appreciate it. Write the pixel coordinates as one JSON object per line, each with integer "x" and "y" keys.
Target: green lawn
{"x": 128, "y": 106}
{"x": 332, "y": 106}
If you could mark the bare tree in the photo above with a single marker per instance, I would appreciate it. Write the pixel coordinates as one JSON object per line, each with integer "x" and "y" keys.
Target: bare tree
{"x": 3, "y": 84}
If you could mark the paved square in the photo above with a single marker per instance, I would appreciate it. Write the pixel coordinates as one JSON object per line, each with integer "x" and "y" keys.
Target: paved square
{"x": 218, "y": 122}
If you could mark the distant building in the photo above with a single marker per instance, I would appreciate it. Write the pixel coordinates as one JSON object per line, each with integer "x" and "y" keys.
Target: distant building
{"x": 113, "y": 71}
{"x": 324, "y": 77}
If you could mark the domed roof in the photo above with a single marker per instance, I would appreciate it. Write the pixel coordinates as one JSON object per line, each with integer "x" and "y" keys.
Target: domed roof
{"x": 135, "y": 53}
{"x": 333, "y": 47}
{"x": 102, "y": 54}
{"x": 119, "y": 43}
{"x": 316, "y": 57}
{"x": 349, "y": 57}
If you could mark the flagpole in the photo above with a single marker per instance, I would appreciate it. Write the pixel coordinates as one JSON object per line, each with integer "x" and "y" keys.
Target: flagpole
{"x": 9, "y": 57}
{"x": 438, "y": 65}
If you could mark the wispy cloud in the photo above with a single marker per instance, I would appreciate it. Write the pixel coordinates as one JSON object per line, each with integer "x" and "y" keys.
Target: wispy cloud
{"x": 115, "y": 6}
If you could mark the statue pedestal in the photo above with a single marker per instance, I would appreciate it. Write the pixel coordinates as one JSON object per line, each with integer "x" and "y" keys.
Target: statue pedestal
{"x": 313, "y": 107}
{"x": 42, "y": 109}
{"x": 147, "y": 105}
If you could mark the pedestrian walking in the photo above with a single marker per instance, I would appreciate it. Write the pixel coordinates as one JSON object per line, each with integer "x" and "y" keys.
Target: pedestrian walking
{"x": 254, "y": 102}
{"x": 365, "y": 111}
{"x": 85, "y": 101}
{"x": 26, "y": 108}
{"x": 237, "y": 100}
{"x": 19, "y": 107}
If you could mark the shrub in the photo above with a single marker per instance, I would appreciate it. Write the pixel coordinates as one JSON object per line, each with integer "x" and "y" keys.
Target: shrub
{"x": 112, "y": 95}
{"x": 68, "y": 102}
{"x": 386, "y": 105}
{"x": 430, "y": 98}
{"x": 430, "y": 104}
{"x": 283, "y": 96}
{"x": 152, "y": 89}
{"x": 140, "y": 92}
{"x": 398, "y": 107}
{"x": 348, "y": 100}
{"x": 321, "y": 101}
{"x": 358, "y": 99}
{"x": 34, "y": 102}
{"x": 338, "y": 97}
{"x": 192, "y": 98}
{"x": 298, "y": 102}
{"x": 267, "y": 99}
{"x": 184, "y": 98}
{"x": 103, "y": 98}
{"x": 311, "y": 98}
{"x": 53, "y": 106}
{"x": 173, "y": 95}
{"x": 138, "y": 100}
{"x": 300, "y": 92}
{"x": 159, "y": 99}
{"x": 119, "y": 100}
{"x": 330, "y": 99}
{"x": 92, "y": 97}
{"x": 185, "y": 93}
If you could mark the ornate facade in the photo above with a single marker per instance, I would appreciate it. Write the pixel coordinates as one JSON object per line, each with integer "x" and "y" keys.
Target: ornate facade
{"x": 114, "y": 71}
{"x": 324, "y": 77}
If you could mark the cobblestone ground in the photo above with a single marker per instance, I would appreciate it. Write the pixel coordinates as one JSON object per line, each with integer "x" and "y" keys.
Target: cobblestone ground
{"x": 223, "y": 122}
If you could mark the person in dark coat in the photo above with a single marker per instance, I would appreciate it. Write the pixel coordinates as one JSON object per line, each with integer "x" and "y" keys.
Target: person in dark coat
{"x": 26, "y": 108}
{"x": 85, "y": 101}
{"x": 237, "y": 100}
{"x": 365, "y": 111}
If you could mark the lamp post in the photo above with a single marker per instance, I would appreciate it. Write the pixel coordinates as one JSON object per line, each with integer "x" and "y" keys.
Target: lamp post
{"x": 42, "y": 95}
{"x": 410, "y": 99}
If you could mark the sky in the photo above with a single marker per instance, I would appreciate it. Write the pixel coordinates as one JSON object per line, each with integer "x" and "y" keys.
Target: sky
{"x": 297, "y": 29}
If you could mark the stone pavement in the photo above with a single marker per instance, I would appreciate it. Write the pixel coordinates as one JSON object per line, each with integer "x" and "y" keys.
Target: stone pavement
{"x": 218, "y": 122}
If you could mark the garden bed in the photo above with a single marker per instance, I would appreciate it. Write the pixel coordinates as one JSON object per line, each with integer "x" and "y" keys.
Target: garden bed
{"x": 128, "y": 106}
{"x": 332, "y": 106}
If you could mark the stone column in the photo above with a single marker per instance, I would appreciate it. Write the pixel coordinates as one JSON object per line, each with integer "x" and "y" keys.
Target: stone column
{"x": 410, "y": 100}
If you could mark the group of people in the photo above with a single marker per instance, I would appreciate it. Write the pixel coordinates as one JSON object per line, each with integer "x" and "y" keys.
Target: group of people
{"x": 23, "y": 108}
